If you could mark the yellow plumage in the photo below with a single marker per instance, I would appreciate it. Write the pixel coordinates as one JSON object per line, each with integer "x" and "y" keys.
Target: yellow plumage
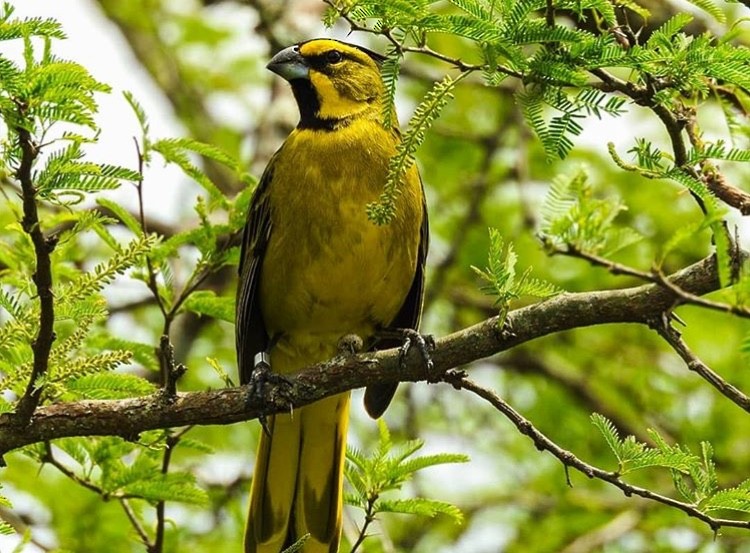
{"x": 315, "y": 269}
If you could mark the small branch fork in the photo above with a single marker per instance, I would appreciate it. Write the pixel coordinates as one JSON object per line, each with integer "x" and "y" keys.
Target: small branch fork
{"x": 662, "y": 324}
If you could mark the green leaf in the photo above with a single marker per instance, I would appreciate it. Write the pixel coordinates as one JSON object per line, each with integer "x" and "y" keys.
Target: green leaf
{"x": 387, "y": 469}
{"x": 710, "y": 7}
{"x": 421, "y": 507}
{"x": 175, "y": 150}
{"x": 109, "y": 386}
{"x": 662, "y": 37}
{"x": 609, "y": 432}
{"x": 142, "y": 118}
{"x": 572, "y": 217}
{"x": 206, "y": 302}
{"x": 382, "y": 211}
{"x": 122, "y": 214}
{"x": 501, "y": 278}
{"x": 174, "y": 486}
{"x": 732, "y": 499}
{"x": 389, "y": 72}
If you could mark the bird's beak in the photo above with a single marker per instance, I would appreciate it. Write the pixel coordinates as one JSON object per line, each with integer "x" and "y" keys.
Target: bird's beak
{"x": 289, "y": 64}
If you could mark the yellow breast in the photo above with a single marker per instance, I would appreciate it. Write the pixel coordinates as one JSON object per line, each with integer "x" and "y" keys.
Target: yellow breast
{"x": 329, "y": 271}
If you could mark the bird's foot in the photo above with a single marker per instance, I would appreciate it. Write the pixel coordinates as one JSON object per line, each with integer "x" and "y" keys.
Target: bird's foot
{"x": 267, "y": 388}
{"x": 410, "y": 338}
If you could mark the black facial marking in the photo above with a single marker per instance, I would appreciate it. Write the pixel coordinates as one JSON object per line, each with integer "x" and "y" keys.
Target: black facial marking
{"x": 309, "y": 105}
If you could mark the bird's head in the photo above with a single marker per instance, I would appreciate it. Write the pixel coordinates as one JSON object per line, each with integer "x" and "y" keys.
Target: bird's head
{"x": 332, "y": 81}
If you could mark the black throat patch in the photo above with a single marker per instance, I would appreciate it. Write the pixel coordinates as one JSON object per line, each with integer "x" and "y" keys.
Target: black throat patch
{"x": 309, "y": 106}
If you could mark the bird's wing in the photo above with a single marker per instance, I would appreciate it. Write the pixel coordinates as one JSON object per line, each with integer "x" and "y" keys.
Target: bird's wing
{"x": 378, "y": 396}
{"x": 250, "y": 330}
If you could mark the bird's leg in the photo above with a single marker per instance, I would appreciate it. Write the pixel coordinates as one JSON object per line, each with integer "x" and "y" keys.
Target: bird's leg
{"x": 410, "y": 338}
{"x": 264, "y": 386}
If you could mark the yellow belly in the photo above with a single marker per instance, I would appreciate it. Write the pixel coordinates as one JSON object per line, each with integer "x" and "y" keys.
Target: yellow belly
{"x": 328, "y": 271}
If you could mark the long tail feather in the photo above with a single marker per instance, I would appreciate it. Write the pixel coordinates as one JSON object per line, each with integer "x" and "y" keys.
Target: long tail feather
{"x": 298, "y": 480}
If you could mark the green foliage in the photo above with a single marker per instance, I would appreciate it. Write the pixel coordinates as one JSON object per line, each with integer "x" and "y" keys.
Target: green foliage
{"x": 206, "y": 302}
{"x": 502, "y": 280}
{"x": 556, "y": 134}
{"x": 711, "y": 8}
{"x": 389, "y": 71}
{"x": 107, "y": 386}
{"x": 387, "y": 469}
{"x": 573, "y": 218}
{"x": 5, "y": 528}
{"x": 694, "y": 476}
{"x": 177, "y": 150}
{"x": 48, "y": 109}
{"x": 427, "y": 111}
{"x": 480, "y": 167}
{"x": 119, "y": 469}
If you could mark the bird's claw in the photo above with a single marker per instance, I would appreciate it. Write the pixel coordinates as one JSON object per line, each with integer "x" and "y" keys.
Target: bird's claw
{"x": 424, "y": 344}
{"x": 267, "y": 387}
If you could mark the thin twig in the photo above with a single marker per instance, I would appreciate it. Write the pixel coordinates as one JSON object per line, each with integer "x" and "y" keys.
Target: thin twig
{"x": 674, "y": 339}
{"x": 136, "y": 524}
{"x": 369, "y": 519}
{"x": 549, "y": 14}
{"x": 714, "y": 179}
{"x": 521, "y": 361}
{"x": 421, "y": 49}
{"x": 50, "y": 459}
{"x": 686, "y": 297}
{"x": 543, "y": 443}
{"x": 655, "y": 276}
{"x": 153, "y": 286}
{"x": 171, "y": 442}
{"x": 171, "y": 370}
{"x": 613, "y": 267}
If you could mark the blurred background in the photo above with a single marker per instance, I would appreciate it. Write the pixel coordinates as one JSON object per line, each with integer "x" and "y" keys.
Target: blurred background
{"x": 198, "y": 68}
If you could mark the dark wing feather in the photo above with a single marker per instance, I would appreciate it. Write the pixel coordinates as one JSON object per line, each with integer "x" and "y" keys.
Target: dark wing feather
{"x": 379, "y": 396}
{"x": 250, "y": 330}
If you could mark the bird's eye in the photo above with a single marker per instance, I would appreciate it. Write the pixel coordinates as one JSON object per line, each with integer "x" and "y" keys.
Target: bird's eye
{"x": 334, "y": 56}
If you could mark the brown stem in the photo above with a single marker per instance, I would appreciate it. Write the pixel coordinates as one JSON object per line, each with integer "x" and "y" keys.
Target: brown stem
{"x": 42, "y": 277}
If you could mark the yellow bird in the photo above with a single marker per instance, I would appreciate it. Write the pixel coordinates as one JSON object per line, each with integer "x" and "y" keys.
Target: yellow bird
{"x": 314, "y": 269}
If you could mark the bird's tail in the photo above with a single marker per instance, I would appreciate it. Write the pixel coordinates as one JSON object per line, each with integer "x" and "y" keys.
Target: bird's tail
{"x": 298, "y": 478}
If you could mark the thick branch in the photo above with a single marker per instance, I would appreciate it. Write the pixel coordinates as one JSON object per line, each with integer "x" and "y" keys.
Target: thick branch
{"x": 129, "y": 417}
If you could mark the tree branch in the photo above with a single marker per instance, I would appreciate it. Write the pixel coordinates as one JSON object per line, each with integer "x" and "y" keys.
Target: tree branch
{"x": 42, "y": 276}
{"x": 129, "y": 417}
{"x": 543, "y": 443}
